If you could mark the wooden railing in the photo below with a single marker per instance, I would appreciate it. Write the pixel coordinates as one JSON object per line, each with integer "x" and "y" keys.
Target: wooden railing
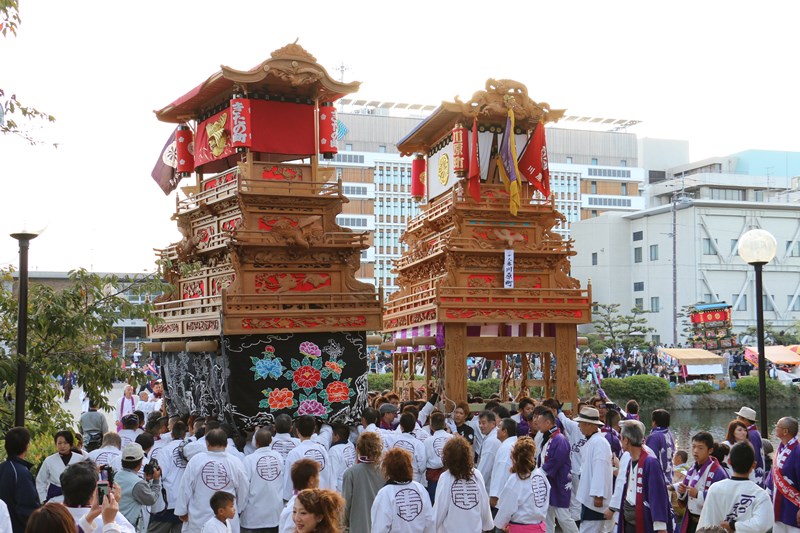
{"x": 267, "y": 304}
{"x": 219, "y": 192}
{"x": 524, "y": 298}
{"x": 345, "y": 239}
{"x": 290, "y": 188}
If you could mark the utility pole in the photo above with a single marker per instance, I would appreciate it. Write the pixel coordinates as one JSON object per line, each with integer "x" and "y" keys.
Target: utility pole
{"x": 674, "y": 268}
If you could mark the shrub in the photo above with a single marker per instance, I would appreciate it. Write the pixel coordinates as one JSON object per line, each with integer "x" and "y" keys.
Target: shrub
{"x": 748, "y": 387}
{"x": 648, "y": 389}
{"x": 483, "y": 388}
{"x": 696, "y": 388}
{"x": 617, "y": 389}
{"x": 380, "y": 382}
{"x": 643, "y": 389}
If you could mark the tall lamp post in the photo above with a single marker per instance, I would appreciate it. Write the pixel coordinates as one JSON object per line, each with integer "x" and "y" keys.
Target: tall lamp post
{"x": 24, "y": 239}
{"x": 757, "y": 247}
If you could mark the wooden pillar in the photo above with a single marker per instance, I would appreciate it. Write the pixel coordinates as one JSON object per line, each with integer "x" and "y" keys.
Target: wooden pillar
{"x": 455, "y": 362}
{"x": 523, "y": 378}
{"x": 566, "y": 364}
{"x": 412, "y": 369}
{"x": 397, "y": 373}
{"x": 428, "y": 377}
{"x": 548, "y": 385}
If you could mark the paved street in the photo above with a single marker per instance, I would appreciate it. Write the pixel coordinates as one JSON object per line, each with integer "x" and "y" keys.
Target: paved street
{"x": 74, "y": 404}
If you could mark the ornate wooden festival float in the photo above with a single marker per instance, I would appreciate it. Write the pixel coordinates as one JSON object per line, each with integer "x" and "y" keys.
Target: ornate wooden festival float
{"x": 485, "y": 274}
{"x": 269, "y": 316}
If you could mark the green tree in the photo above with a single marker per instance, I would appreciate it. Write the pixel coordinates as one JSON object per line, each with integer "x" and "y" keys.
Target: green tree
{"x": 67, "y": 330}
{"x": 11, "y": 108}
{"x": 618, "y": 329}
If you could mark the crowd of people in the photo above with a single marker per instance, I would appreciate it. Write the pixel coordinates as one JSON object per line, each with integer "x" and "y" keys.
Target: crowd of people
{"x": 407, "y": 467}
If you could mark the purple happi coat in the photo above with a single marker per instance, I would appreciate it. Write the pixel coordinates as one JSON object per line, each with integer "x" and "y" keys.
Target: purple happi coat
{"x": 652, "y": 499}
{"x": 556, "y": 463}
{"x": 787, "y": 459}
{"x": 755, "y": 440}
{"x": 612, "y": 436}
{"x": 662, "y": 443}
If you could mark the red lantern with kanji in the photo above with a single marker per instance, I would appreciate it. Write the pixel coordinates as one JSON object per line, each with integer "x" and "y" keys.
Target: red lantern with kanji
{"x": 327, "y": 130}
{"x": 460, "y": 151}
{"x": 184, "y": 147}
{"x": 418, "y": 177}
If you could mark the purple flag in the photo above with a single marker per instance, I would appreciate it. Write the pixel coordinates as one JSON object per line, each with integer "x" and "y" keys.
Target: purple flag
{"x": 164, "y": 170}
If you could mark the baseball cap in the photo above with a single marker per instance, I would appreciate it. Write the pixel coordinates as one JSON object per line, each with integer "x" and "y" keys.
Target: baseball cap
{"x": 132, "y": 452}
{"x": 388, "y": 408}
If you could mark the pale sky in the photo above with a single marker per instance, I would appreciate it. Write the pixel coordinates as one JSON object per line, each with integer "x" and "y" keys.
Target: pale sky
{"x": 722, "y": 75}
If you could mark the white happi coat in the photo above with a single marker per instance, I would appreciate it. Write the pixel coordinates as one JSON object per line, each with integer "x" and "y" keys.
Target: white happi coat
{"x": 50, "y": 474}
{"x": 741, "y": 500}
{"x": 105, "y": 455}
{"x": 596, "y": 472}
{"x": 501, "y": 469}
{"x": 402, "y": 508}
{"x": 206, "y": 473}
{"x": 309, "y": 449}
{"x": 343, "y": 456}
{"x": 264, "y": 469}
{"x": 523, "y": 501}
{"x": 462, "y": 506}
{"x": 411, "y": 444}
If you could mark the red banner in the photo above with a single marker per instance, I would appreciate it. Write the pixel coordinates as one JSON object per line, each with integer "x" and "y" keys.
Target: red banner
{"x": 418, "y": 177}
{"x": 283, "y": 128}
{"x": 721, "y": 315}
{"x": 327, "y": 130}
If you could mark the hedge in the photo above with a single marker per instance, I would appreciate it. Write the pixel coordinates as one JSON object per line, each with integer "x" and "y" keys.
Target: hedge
{"x": 643, "y": 389}
{"x": 696, "y": 388}
{"x": 380, "y": 382}
{"x": 748, "y": 387}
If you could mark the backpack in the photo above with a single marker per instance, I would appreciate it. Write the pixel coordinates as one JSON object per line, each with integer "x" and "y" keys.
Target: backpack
{"x": 92, "y": 440}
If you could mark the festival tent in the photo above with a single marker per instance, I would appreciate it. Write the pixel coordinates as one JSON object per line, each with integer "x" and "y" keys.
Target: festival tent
{"x": 693, "y": 361}
{"x": 779, "y": 355}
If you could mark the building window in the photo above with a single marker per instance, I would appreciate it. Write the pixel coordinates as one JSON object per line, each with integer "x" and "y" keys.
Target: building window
{"x": 793, "y": 248}
{"x": 594, "y": 160}
{"x": 734, "y": 246}
{"x": 569, "y": 159}
{"x": 594, "y": 187}
{"x": 348, "y": 147}
{"x": 623, "y": 189}
{"x": 355, "y": 190}
{"x": 638, "y": 235}
{"x": 623, "y": 162}
{"x": 793, "y": 305}
{"x": 656, "y": 339}
{"x": 594, "y": 258}
{"x": 653, "y": 252}
{"x": 708, "y": 248}
{"x": 709, "y": 298}
{"x": 382, "y": 149}
{"x": 727, "y": 194}
{"x": 742, "y": 302}
{"x": 638, "y": 303}
{"x": 655, "y": 304}
{"x": 767, "y": 301}
{"x": 638, "y": 286}
{"x": 594, "y": 213}
{"x": 637, "y": 254}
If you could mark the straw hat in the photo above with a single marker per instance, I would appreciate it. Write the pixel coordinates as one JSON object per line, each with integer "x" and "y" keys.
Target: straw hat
{"x": 746, "y": 412}
{"x": 590, "y": 415}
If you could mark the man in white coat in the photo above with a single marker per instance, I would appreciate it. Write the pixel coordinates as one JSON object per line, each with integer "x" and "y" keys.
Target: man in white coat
{"x": 342, "y": 453}
{"x": 507, "y": 435}
{"x": 308, "y": 449}
{"x": 594, "y": 489}
{"x": 264, "y": 468}
{"x": 407, "y": 441}
{"x": 282, "y": 441}
{"x": 487, "y": 423}
{"x": 738, "y": 504}
{"x": 207, "y": 473}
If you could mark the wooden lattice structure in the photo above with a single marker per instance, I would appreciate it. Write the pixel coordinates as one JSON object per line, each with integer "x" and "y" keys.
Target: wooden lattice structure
{"x": 452, "y": 302}
{"x": 262, "y": 257}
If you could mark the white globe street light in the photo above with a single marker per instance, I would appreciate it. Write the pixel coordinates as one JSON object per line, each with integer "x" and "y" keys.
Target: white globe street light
{"x": 757, "y": 247}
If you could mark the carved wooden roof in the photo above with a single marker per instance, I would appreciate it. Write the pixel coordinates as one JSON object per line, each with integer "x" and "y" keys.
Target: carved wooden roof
{"x": 290, "y": 71}
{"x": 490, "y": 106}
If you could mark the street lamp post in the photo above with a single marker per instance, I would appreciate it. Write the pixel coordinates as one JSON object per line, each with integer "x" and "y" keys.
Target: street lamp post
{"x": 757, "y": 247}
{"x": 24, "y": 239}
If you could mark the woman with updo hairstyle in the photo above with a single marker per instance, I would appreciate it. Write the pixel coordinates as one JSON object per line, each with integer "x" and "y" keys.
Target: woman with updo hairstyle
{"x": 52, "y": 518}
{"x": 402, "y": 505}
{"x": 525, "y": 498}
{"x": 462, "y": 504}
{"x": 318, "y": 511}
{"x": 48, "y": 480}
